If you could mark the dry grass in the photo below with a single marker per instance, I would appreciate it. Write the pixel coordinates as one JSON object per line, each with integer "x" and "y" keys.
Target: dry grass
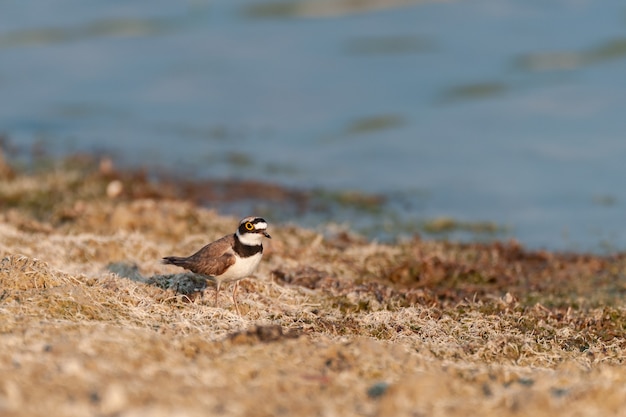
{"x": 92, "y": 324}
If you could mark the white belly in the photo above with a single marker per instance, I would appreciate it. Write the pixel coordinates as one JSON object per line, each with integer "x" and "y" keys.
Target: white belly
{"x": 241, "y": 269}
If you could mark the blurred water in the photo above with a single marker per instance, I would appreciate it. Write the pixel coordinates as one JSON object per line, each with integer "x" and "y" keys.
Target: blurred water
{"x": 491, "y": 110}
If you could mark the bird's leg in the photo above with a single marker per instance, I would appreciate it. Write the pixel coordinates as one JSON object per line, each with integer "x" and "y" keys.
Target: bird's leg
{"x": 217, "y": 291}
{"x": 235, "y": 298}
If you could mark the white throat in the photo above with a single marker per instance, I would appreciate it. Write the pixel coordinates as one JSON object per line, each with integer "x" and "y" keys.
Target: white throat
{"x": 250, "y": 239}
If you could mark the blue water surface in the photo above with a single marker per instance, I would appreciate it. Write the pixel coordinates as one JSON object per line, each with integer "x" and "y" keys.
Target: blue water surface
{"x": 507, "y": 111}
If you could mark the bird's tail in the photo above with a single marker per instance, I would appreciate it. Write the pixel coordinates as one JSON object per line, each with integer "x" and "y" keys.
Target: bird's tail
{"x": 174, "y": 260}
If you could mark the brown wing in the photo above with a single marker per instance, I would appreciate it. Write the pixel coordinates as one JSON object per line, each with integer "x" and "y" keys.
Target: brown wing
{"x": 211, "y": 266}
{"x": 213, "y": 259}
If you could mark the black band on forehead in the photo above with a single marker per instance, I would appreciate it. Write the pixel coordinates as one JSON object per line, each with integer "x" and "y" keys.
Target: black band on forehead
{"x": 253, "y": 221}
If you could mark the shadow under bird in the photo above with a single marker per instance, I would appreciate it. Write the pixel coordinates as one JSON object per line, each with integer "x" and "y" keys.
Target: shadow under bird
{"x": 229, "y": 259}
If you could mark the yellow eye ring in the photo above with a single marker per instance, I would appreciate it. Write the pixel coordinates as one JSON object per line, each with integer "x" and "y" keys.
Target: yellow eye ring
{"x": 249, "y": 226}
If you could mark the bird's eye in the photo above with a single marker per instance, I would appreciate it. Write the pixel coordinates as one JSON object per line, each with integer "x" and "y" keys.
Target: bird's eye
{"x": 249, "y": 226}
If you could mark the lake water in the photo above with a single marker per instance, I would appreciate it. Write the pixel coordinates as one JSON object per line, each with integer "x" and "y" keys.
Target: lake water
{"x": 511, "y": 112}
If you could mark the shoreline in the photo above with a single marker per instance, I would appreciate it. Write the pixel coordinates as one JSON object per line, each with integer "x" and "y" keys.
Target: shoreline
{"x": 377, "y": 216}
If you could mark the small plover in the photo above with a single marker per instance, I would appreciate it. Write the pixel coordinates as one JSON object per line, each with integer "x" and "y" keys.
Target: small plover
{"x": 230, "y": 258}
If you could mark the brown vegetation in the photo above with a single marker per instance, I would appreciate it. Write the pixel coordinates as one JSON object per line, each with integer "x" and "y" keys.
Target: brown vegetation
{"x": 92, "y": 324}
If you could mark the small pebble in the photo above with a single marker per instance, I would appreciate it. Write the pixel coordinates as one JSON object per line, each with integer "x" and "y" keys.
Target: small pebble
{"x": 115, "y": 188}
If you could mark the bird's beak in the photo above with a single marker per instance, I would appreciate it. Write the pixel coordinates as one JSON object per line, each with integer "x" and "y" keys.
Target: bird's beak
{"x": 267, "y": 235}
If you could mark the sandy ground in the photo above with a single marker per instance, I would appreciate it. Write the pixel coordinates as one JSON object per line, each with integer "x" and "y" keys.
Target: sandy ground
{"x": 332, "y": 325}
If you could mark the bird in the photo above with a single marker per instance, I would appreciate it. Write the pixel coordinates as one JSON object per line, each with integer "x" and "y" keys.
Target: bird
{"x": 230, "y": 258}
